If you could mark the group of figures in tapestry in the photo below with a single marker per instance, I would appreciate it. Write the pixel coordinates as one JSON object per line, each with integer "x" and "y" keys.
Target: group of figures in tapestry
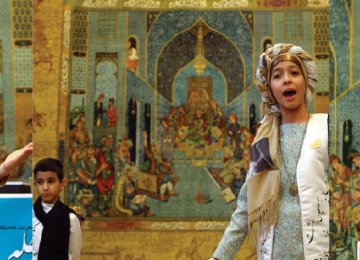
{"x": 344, "y": 205}
{"x": 104, "y": 180}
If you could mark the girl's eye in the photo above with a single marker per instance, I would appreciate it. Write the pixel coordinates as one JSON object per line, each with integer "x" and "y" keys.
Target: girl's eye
{"x": 276, "y": 76}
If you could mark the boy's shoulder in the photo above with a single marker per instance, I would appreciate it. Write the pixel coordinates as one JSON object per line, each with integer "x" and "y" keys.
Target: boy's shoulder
{"x": 75, "y": 212}
{"x": 73, "y": 216}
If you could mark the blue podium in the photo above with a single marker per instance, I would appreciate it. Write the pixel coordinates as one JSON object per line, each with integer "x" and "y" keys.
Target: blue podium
{"x": 15, "y": 221}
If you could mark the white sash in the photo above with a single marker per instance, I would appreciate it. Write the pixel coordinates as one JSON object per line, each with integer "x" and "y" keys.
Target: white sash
{"x": 313, "y": 194}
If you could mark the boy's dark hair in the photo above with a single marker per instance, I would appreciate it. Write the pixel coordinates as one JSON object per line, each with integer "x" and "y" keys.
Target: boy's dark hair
{"x": 50, "y": 164}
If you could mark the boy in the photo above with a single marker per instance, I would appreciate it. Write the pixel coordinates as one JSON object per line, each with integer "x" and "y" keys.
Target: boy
{"x": 56, "y": 228}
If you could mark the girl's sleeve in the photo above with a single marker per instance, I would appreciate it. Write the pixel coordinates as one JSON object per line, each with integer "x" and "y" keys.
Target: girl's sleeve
{"x": 75, "y": 238}
{"x": 236, "y": 232}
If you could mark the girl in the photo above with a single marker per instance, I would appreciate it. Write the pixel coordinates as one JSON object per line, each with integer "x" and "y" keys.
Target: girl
{"x": 285, "y": 197}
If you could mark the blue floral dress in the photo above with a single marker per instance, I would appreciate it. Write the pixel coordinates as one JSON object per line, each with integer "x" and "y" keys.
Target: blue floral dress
{"x": 288, "y": 241}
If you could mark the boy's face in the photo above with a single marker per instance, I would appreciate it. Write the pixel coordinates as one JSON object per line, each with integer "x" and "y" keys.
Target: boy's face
{"x": 48, "y": 186}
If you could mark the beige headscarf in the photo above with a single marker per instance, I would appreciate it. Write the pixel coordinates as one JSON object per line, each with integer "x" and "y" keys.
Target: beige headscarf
{"x": 264, "y": 173}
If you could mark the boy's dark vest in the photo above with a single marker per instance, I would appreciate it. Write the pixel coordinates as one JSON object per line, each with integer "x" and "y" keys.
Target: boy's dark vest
{"x": 55, "y": 236}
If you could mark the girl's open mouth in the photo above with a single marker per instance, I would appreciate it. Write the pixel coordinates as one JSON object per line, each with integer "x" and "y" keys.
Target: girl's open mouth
{"x": 289, "y": 93}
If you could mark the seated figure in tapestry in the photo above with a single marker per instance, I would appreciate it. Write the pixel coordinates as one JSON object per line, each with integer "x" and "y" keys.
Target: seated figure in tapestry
{"x": 167, "y": 137}
{"x": 159, "y": 165}
{"x": 205, "y": 127}
{"x": 153, "y": 154}
{"x": 235, "y": 136}
{"x": 340, "y": 173}
{"x": 199, "y": 131}
{"x": 92, "y": 175}
{"x": 353, "y": 230}
{"x": 247, "y": 139}
{"x": 105, "y": 172}
{"x": 88, "y": 192}
{"x": 99, "y": 113}
{"x": 355, "y": 178}
{"x": 73, "y": 175}
{"x": 171, "y": 118}
{"x": 126, "y": 200}
{"x": 231, "y": 176}
{"x": 220, "y": 120}
{"x": 339, "y": 187}
{"x": 198, "y": 99}
{"x": 214, "y": 106}
{"x": 111, "y": 113}
{"x": 233, "y": 172}
{"x": 181, "y": 118}
{"x": 182, "y": 124}
{"x": 79, "y": 134}
{"x": 166, "y": 185}
{"x": 122, "y": 156}
{"x": 344, "y": 184}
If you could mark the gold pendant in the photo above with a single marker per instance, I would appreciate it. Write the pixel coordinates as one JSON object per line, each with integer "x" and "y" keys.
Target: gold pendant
{"x": 293, "y": 190}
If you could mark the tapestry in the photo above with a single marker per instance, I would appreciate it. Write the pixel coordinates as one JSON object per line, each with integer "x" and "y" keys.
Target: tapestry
{"x": 154, "y": 123}
{"x": 159, "y": 118}
{"x": 344, "y": 150}
{"x": 16, "y": 81}
{"x": 150, "y": 91}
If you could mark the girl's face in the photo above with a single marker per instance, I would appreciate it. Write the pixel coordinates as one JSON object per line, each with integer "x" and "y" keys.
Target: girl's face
{"x": 287, "y": 84}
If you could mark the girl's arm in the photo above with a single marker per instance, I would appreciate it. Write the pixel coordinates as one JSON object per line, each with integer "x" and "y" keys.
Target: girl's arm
{"x": 236, "y": 232}
{"x": 14, "y": 160}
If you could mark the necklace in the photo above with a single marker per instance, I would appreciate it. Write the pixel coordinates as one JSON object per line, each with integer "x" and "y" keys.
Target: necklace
{"x": 293, "y": 189}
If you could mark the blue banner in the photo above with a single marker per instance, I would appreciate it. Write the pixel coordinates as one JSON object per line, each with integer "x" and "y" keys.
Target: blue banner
{"x": 15, "y": 226}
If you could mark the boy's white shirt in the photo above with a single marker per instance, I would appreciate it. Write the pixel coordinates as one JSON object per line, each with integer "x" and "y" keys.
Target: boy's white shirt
{"x": 75, "y": 234}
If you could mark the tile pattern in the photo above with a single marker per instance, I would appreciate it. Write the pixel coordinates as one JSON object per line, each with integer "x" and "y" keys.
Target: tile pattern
{"x": 283, "y": 33}
{"x": 321, "y": 33}
{"x": 1, "y": 57}
{"x": 79, "y": 32}
{"x": 263, "y": 30}
{"x": 322, "y": 66}
{"x": 339, "y": 36}
{"x": 22, "y": 19}
{"x": 7, "y": 74}
{"x": 232, "y": 25}
{"x": 23, "y": 66}
{"x": 78, "y": 73}
{"x": 106, "y": 24}
{"x": 356, "y": 44}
